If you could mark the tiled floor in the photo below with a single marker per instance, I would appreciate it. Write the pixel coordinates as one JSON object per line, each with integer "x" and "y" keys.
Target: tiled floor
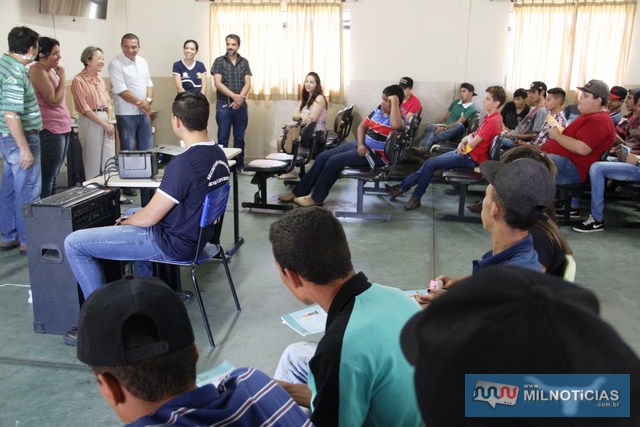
{"x": 42, "y": 383}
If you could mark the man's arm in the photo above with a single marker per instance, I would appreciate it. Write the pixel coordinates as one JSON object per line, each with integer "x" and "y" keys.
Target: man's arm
{"x": 12, "y": 119}
{"x": 360, "y": 134}
{"x": 300, "y": 393}
{"x": 157, "y": 208}
{"x": 574, "y": 145}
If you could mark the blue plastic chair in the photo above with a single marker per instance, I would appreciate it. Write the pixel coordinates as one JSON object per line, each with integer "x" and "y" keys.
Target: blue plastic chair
{"x": 213, "y": 208}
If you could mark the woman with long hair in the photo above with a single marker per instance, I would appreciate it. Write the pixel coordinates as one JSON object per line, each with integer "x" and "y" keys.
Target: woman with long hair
{"x": 92, "y": 101}
{"x": 47, "y": 77}
{"x": 188, "y": 73}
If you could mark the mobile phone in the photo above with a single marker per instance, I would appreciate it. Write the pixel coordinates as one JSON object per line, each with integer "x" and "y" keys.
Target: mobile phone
{"x": 625, "y": 150}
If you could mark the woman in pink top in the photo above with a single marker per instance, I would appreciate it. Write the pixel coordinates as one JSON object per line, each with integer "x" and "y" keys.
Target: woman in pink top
{"x": 47, "y": 77}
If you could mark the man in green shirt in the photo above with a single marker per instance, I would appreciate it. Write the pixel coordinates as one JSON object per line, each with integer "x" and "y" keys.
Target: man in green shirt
{"x": 20, "y": 123}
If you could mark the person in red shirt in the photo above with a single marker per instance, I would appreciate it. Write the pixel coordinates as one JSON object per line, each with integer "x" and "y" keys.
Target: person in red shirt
{"x": 472, "y": 151}
{"x": 411, "y": 104}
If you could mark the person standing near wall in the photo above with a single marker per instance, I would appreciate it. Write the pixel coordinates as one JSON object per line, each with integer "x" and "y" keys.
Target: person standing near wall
{"x": 47, "y": 78}
{"x": 92, "y": 101}
{"x": 232, "y": 79}
{"x": 132, "y": 85}
{"x": 189, "y": 73}
{"x": 20, "y": 124}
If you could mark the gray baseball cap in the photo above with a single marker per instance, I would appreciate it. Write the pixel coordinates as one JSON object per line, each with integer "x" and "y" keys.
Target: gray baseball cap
{"x": 597, "y": 88}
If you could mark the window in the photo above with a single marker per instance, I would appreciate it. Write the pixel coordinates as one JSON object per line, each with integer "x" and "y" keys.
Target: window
{"x": 283, "y": 41}
{"x": 569, "y": 42}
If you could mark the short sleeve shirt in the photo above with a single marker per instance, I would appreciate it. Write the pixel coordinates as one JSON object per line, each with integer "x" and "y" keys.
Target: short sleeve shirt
{"x": 133, "y": 76}
{"x": 489, "y": 129}
{"x": 232, "y": 76}
{"x": 191, "y": 78}
{"x": 17, "y": 95}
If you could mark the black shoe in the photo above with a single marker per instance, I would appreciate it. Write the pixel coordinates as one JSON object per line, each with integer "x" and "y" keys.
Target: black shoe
{"x": 589, "y": 225}
{"x": 419, "y": 151}
{"x": 573, "y": 212}
{"x": 129, "y": 192}
{"x": 71, "y": 337}
{"x": 393, "y": 190}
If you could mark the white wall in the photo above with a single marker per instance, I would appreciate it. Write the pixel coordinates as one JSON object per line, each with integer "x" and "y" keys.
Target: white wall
{"x": 440, "y": 44}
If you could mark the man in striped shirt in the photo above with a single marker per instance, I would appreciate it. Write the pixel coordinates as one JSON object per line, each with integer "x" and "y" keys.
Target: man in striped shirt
{"x": 136, "y": 336}
{"x": 20, "y": 124}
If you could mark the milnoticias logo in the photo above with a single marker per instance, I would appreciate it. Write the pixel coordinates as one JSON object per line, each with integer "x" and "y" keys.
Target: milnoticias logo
{"x": 495, "y": 393}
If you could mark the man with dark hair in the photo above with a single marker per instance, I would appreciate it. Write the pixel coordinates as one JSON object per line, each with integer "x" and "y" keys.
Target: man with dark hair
{"x": 411, "y": 104}
{"x": 371, "y": 136}
{"x": 472, "y": 151}
{"x": 20, "y": 124}
{"x": 133, "y": 95}
{"x": 356, "y": 376}
{"x": 452, "y": 125}
{"x": 617, "y": 95}
{"x": 136, "y": 336}
{"x": 528, "y": 128}
{"x": 514, "y": 111}
{"x": 167, "y": 227}
{"x": 555, "y": 116}
{"x": 507, "y": 320}
{"x": 232, "y": 79}
{"x": 584, "y": 141}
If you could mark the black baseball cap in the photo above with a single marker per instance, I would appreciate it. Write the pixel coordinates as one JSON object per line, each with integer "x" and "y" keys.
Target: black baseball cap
{"x": 406, "y": 82}
{"x": 510, "y": 320}
{"x": 103, "y": 314}
{"x": 525, "y": 185}
{"x": 618, "y": 92}
{"x": 469, "y": 87}
{"x": 538, "y": 87}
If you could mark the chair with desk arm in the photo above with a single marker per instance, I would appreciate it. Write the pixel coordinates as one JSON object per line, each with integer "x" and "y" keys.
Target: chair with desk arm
{"x": 213, "y": 209}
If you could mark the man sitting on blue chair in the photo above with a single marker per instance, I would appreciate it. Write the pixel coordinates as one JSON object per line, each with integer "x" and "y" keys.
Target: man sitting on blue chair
{"x": 167, "y": 227}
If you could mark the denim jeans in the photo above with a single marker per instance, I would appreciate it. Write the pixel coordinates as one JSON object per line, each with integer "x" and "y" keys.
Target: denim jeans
{"x": 599, "y": 172}
{"x": 422, "y": 177}
{"x": 83, "y": 248}
{"x": 455, "y": 132}
{"x": 326, "y": 170}
{"x": 19, "y": 186}
{"x": 293, "y": 366}
{"x": 567, "y": 174}
{"x": 53, "y": 149}
{"x": 132, "y": 129}
{"x": 226, "y": 118}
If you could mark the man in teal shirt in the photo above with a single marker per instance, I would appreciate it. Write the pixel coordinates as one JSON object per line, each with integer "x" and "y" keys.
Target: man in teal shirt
{"x": 20, "y": 123}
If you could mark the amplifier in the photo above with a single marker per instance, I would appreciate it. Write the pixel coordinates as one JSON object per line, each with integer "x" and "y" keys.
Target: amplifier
{"x": 137, "y": 164}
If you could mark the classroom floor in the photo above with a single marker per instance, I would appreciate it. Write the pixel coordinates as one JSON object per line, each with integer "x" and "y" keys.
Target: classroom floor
{"x": 43, "y": 384}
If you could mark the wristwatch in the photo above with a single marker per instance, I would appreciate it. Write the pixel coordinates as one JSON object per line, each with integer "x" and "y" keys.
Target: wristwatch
{"x": 150, "y": 101}
{"x": 638, "y": 162}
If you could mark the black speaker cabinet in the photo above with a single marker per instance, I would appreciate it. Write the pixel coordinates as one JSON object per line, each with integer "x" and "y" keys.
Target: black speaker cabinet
{"x": 55, "y": 292}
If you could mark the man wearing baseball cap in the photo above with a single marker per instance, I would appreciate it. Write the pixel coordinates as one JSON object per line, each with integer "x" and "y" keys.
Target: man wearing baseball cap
{"x": 529, "y": 127}
{"x": 507, "y": 320}
{"x": 617, "y": 95}
{"x": 411, "y": 104}
{"x": 584, "y": 141}
{"x": 136, "y": 336}
{"x": 452, "y": 125}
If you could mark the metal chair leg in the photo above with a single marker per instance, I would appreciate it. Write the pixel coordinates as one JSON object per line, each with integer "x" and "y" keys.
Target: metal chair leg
{"x": 196, "y": 288}
{"x": 229, "y": 279}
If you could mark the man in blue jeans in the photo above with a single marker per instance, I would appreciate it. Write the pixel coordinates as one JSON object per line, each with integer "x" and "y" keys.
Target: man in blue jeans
{"x": 232, "y": 79}
{"x": 452, "y": 125}
{"x": 20, "y": 123}
{"x": 168, "y": 226}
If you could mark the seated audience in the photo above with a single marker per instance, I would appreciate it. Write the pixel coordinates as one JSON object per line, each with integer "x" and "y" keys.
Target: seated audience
{"x": 584, "y": 141}
{"x": 372, "y": 133}
{"x": 312, "y": 108}
{"x": 357, "y": 375}
{"x": 507, "y": 320}
{"x": 627, "y": 168}
{"x": 168, "y": 226}
{"x": 617, "y": 95}
{"x": 136, "y": 336}
{"x": 472, "y": 151}
{"x": 555, "y": 116}
{"x": 514, "y": 111}
{"x": 518, "y": 195}
{"x": 411, "y": 103}
{"x": 452, "y": 125}
{"x": 529, "y": 127}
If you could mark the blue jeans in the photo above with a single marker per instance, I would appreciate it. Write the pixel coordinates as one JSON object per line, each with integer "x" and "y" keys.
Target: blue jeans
{"x": 567, "y": 174}
{"x": 326, "y": 170}
{"x": 19, "y": 186}
{"x": 455, "y": 132}
{"x": 53, "y": 148}
{"x": 598, "y": 174}
{"x": 84, "y": 248}
{"x": 226, "y": 118}
{"x": 132, "y": 129}
{"x": 422, "y": 177}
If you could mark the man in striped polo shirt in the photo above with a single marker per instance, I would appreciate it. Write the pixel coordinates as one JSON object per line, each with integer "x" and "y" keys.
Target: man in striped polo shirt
{"x": 20, "y": 123}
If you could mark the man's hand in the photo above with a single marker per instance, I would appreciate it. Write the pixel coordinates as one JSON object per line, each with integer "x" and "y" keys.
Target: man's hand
{"x": 440, "y": 129}
{"x": 632, "y": 158}
{"x": 362, "y": 150}
{"x": 300, "y": 393}
{"x": 425, "y": 300}
{"x": 238, "y": 99}
{"x": 554, "y": 133}
{"x": 144, "y": 106}
{"x": 461, "y": 146}
{"x": 26, "y": 158}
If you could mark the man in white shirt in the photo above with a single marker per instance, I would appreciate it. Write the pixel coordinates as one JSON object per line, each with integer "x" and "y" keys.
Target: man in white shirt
{"x": 132, "y": 85}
